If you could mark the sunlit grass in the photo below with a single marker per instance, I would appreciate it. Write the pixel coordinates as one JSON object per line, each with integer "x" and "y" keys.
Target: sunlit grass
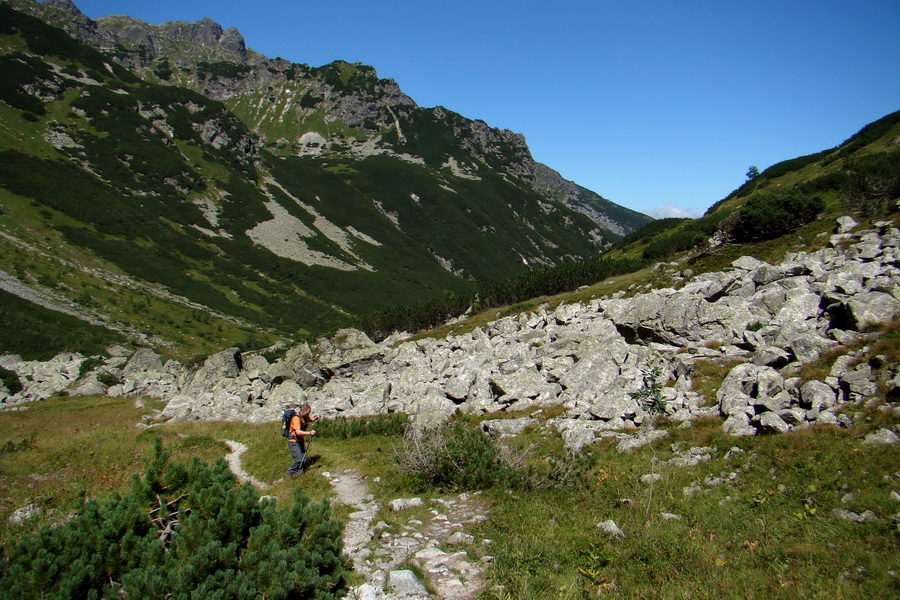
{"x": 756, "y": 525}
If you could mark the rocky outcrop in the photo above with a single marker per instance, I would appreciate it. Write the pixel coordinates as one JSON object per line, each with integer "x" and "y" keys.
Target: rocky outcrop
{"x": 612, "y": 364}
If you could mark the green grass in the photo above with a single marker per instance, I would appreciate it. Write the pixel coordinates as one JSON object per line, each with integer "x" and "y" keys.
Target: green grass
{"x": 758, "y": 525}
{"x": 768, "y": 533}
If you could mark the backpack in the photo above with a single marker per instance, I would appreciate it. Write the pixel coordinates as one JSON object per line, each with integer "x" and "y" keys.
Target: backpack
{"x": 286, "y": 422}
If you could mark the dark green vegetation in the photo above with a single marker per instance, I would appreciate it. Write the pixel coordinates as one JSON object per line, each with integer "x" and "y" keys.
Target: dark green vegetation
{"x": 10, "y": 381}
{"x": 768, "y": 216}
{"x": 182, "y": 531}
{"x": 37, "y": 333}
{"x": 391, "y": 425}
{"x": 174, "y": 189}
{"x": 537, "y": 282}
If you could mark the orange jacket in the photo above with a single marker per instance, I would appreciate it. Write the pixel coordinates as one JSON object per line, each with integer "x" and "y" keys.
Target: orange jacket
{"x": 297, "y": 428}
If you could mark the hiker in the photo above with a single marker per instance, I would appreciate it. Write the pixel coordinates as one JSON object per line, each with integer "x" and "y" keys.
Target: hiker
{"x": 296, "y": 434}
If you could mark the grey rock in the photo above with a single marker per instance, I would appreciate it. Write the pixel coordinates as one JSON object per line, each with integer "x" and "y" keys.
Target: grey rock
{"x": 806, "y": 347}
{"x": 770, "y": 422}
{"x": 776, "y": 403}
{"x": 748, "y": 380}
{"x": 498, "y": 428}
{"x": 793, "y": 416}
{"x": 771, "y": 356}
{"x": 255, "y": 366}
{"x": 459, "y": 538}
{"x": 640, "y": 439}
{"x": 866, "y": 517}
{"x": 735, "y": 403}
{"x": 399, "y": 504}
{"x": 616, "y": 403}
{"x": 576, "y": 438}
{"x": 366, "y": 592}
{"x": 219, "y": 366}
{"x": 882, "y": 436}
{"x": 859, "y": 380}
{"x": 346, "y": 346}
{"x": 142, "y": 362}
{"x": 611, "y": 528}
{"x": 524, "y": 383}
{"x": 846, "y": 224}
{"x": 287, "y": 394}
{"x": 405, "y": 583}
{"x": 748, "y": 263}
{"x": 89, "y": 386}
{"x": 21, "y": 515}
{"x": 817, "y": 395}
{"x": 738, "y": 425}
{"x": 826, "y": 417}
{"x": 678, "y": 318}
{"x": 872, "y": 308}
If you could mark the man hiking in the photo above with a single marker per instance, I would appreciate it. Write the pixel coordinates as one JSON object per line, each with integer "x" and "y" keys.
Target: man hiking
{"x": 296, "y": 437}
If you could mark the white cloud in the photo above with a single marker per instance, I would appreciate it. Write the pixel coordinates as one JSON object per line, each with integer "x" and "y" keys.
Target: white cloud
{"x": 670, "y": 210}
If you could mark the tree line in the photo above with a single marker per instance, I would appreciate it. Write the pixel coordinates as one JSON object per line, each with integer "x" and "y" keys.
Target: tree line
{"x": 543, "y": 281}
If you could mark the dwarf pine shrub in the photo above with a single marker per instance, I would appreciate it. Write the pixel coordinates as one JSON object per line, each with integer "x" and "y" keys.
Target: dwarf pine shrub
{"x": 771, "y": 215}
{"x": 459, "y": 458}
{"x": 182, "y": 531}
{"x": 10, "y": 380}
{"x": 391, "y": 425}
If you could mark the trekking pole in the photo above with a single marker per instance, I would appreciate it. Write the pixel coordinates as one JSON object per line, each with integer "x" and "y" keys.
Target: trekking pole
{"x": 306, "y": 454}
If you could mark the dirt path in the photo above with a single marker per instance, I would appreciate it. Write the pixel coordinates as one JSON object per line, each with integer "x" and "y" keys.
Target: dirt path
{"x": 234, "y": 463}
{"x": 439, "y": 546}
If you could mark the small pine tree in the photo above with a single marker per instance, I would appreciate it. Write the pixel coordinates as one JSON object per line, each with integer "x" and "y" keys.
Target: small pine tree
{"x": 183, "y": 531}
{"x": 650, "y": 394}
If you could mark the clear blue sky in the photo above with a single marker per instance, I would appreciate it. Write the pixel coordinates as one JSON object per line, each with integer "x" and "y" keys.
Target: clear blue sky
{"x": 651, "y": 104}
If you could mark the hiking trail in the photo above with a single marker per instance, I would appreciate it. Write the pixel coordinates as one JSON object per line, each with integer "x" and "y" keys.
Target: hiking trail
{"x": 436, "y": 544}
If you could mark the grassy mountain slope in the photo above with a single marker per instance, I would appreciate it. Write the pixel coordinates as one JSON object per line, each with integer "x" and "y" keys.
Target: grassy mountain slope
{"x": 165, "y": 186}
{"x": 859, "y": 177}
{"x": 336, "y": 108}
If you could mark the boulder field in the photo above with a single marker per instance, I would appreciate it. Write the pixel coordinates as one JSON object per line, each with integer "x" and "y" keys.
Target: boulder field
{"x": 612, "y": 363}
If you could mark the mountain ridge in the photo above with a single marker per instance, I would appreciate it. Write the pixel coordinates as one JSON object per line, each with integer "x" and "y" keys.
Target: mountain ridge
{"x": 172, "y": 187}
{"x": 179, "y": 48}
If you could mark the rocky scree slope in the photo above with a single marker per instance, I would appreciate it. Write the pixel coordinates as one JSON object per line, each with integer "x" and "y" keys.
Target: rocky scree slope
{"x": 758, "y": 323}
{"x": 338, "y": 108}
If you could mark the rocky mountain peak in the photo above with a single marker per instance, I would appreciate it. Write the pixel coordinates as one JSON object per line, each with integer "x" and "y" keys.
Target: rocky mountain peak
{"x": 178, "y": 41}
{"x": 63, "y": 5}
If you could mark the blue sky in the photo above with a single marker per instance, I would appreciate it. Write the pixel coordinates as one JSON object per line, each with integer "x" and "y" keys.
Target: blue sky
{"x": 660, "y": 106}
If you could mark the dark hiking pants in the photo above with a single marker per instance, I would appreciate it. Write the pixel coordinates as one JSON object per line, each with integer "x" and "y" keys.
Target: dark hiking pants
{"x": 298, "y": 454}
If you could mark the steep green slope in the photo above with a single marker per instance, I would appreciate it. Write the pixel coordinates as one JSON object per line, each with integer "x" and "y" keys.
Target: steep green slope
{"x": 169, "y": 188}
{"x": 790, "y": 202}
{"x": 339, "y": 108}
